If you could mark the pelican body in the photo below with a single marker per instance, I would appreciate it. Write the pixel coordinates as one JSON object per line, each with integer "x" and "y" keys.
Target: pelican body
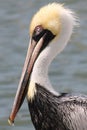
{"x": 50, "y": 30}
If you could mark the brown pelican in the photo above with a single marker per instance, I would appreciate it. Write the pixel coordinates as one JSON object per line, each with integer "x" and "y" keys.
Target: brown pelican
{"x": 50, "y": 31}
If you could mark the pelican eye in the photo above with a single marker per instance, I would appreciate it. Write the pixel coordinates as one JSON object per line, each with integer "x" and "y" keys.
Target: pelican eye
{"x": 39, "y": 31}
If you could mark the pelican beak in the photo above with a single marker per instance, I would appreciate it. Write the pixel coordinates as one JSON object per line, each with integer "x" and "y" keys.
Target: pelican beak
{"x": 32, "y": 54}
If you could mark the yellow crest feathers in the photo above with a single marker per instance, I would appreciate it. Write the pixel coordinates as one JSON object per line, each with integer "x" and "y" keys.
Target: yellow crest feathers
{"x": 48, "y": 17}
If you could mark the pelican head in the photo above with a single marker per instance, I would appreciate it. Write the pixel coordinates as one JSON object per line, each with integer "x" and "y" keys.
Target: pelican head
{"x": 50, "y": 31}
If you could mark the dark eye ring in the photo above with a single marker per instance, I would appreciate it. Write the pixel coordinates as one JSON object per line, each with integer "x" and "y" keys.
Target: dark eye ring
{"x": 38, "y": 33}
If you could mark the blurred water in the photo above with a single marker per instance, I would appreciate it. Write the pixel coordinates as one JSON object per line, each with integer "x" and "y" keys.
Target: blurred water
{"x": 68, "y": 72}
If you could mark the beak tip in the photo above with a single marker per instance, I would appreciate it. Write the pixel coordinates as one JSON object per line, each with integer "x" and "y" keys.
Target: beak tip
{"x": 10, "y": 122}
